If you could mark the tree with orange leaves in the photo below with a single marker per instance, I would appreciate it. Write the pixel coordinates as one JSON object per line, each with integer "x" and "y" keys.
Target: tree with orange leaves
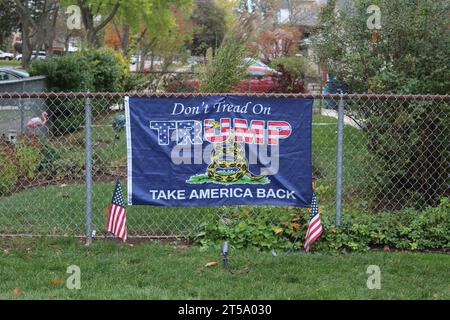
{"x": 276, "y": 43}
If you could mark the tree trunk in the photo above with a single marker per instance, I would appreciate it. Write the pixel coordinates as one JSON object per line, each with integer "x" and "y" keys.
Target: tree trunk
{"x": 88, "y": 21}
{"x": 35, "y": 30}
{"x": 125, "y": 40}
{"x": 27, "y": 47}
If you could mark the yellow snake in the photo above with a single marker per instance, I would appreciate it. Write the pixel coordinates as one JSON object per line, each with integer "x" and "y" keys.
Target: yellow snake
{"x": 228, "y": 161}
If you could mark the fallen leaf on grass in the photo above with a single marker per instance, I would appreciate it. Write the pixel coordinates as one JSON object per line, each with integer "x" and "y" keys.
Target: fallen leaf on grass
{"x": 212, "y": 264}
{"x": 57, "y": 282}
{"x": 17, "y": 292}
{"x": 277, "y": 230}
{"x": 295, "y": 226}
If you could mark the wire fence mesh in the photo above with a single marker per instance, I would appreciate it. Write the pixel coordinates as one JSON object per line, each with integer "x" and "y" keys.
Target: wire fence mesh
{"x": 396, "y": 151}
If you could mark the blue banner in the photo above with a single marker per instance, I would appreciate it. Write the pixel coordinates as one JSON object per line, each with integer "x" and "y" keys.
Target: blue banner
{"x": 219, "y": 150}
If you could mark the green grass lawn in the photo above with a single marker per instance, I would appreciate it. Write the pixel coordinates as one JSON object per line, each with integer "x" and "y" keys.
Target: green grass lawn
{"x": 61, "y": 210}
{"x": 12, "y": 63}
{"x": 36, "y": 269}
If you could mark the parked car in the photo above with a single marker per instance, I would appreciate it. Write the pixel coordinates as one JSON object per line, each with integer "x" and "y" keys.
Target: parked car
{"x": 8, "y": 74}
{"x": 37, "y": 55}
{"x": 6, "y": 55}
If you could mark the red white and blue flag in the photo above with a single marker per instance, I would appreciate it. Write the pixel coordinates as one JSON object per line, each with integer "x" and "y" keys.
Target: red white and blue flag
{"x": 314, "y": 225}
{"x": 117, "y": 217}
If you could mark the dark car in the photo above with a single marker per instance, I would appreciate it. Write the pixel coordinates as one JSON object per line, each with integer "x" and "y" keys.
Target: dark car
{"x": 8, "y": 74}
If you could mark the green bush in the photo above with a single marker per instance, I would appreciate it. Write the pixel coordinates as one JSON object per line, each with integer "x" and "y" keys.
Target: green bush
{"x": 67, "y": 73}
{"x": 106, "y": 71}
{"x": 49, "y": 156}
{"x": 135, "y": 82}
{"x": 28, "y": 155}
{"x": 226, "y": 69}
{"x": 277, "y": 228}
{"x": 70, "y": 165}
{"x": 410, "y": 143}
{"x": 8, "y": 176}
{"x": 405, "y": 230}
{"x": 297, "y": 66}
{"x": 407, "y": 139}
{"x": 94, "y": 71}
{"x": 253, "y": 227}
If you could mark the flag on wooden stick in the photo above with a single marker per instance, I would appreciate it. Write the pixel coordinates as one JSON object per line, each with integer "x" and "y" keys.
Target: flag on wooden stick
{"x": 314, "y": 225}
{"x": 117, "y": 217}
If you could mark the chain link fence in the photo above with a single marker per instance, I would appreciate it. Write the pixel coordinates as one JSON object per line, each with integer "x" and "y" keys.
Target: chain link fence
{"x": 395, "y": 156}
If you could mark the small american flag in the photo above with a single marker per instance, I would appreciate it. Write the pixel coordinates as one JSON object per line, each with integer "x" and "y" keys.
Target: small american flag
{"x": 314, "y": 225}
{"x": 117, "y": 217}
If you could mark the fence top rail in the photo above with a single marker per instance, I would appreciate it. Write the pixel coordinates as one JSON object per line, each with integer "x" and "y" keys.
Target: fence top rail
{"x": 43, "y": 95}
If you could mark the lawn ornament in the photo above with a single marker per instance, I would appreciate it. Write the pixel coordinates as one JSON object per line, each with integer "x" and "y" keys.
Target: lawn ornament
{"x": 225, "y": 255}
{"x": 36, "y": 123}
{"x": 119, "y": 124}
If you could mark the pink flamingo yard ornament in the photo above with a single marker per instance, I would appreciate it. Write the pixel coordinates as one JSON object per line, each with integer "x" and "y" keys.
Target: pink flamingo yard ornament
{"x": 36, "y": 123}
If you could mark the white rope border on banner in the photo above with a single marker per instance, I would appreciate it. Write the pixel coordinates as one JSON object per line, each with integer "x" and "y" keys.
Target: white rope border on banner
{"x": 129, "y": 151}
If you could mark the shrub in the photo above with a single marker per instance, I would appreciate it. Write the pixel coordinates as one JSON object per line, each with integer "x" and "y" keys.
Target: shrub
{"x": 408, "y": 139}
{"x": 69, "y": 165}
{"x": 297, "y": 66}
{"x": 135, "y": 82}
{"x": 124, "y": 66}
{"x": 49, "y": 156}
{"x": 107, "y": 72}
{"x": 253, "y": 227}
{"x": 66, "y": 115}
{"x": 70, "y": 72}
{"x": 277, "y": 228}
{"x": 94, "y": 71}
{"x": 286, "y": 83}
{"x": 407, "y": 229}
{"x": 226, "y": 69}
{"x": 28, "y": 154}
{"x": 8, "y": 176}
{"x": 410, "y": 142}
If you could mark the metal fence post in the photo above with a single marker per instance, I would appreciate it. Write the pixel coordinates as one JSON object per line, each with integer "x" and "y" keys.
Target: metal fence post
{"x": 340, "y": 153}
{"x": 88, "y": 121}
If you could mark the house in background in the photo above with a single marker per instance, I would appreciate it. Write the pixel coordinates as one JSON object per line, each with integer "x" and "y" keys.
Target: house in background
{"x": 303, "y": 14}
{"x": 60, "y": 45}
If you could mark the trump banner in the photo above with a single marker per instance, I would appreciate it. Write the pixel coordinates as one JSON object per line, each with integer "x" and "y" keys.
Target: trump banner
{"x": 219, "y": 150}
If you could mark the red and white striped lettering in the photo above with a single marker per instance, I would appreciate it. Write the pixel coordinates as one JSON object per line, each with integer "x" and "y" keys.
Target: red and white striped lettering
{"x": 254, "y": 134}
{"x": 277, "y": 130}
{"x": 216, "y": 135}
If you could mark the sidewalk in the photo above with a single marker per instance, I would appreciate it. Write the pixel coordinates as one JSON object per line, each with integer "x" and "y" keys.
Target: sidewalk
{"x": 347, "y": 120}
